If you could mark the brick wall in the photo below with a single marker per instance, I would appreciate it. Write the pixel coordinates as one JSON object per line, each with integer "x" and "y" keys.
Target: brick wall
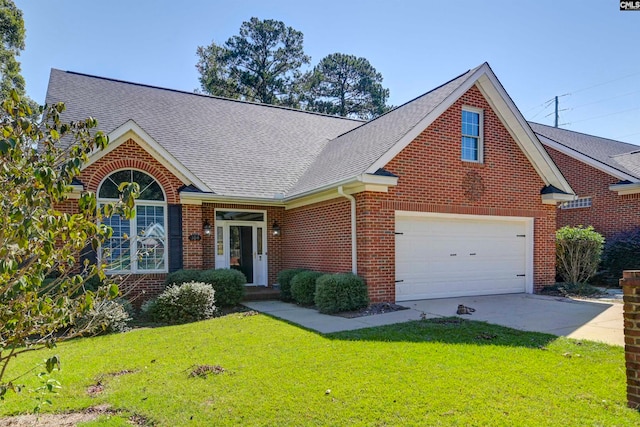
{"x": 630, "y": 283}
{"x": 432, "y": 178}
{"x": 609, "y": 213}
{"x": 318, "y": 237}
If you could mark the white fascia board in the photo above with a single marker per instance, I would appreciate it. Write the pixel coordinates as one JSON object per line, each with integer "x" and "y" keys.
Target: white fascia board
{"x": 586, "y": 159}
{"x": 192, "y": 198}
{"x": 624, "y": 189}
{"x": 76, "y": 192}
{"x": 426, "y": 121}
{"x": 130, "y": 128}
{"x": 521, "y": 132}
{"x": 555, "y": 198}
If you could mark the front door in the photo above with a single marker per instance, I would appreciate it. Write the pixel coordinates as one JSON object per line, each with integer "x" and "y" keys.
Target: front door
{"x": 240, "y": 244}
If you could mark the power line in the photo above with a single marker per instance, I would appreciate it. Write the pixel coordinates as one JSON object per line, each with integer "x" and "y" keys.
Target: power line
{"x": 605, "y": 115}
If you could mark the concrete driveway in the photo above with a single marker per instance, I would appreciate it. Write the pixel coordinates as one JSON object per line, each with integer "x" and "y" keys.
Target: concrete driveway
{"x": 592, "y": 320}
{"x": 580, "y": 319}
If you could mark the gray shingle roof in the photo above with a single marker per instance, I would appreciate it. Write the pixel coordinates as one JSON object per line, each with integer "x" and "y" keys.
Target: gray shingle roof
{"x": 618, "y": 155}
{"x": 352, "y": 153}
{"x": 236, "y": 148}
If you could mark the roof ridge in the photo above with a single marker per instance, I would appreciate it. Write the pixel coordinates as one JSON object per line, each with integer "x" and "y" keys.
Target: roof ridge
{"x": 204, "y": 95}
{"x": 583, "y": 133}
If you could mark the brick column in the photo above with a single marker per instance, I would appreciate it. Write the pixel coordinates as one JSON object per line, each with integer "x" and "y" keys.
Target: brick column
{"x": 630, "y": 283}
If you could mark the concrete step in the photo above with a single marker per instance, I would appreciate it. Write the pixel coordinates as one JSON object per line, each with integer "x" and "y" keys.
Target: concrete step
{"x": 261, "y": 293}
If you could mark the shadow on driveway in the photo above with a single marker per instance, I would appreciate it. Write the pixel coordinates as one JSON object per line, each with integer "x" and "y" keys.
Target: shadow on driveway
{"x": 596, "y": 321}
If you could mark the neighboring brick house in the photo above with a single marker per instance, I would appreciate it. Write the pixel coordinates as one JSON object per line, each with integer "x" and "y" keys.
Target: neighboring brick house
{"x": 605, "y": 175}
{"x": 449, "y": 194}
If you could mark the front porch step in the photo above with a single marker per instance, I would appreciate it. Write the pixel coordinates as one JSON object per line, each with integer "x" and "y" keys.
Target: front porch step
{"x": 261, "y": 293}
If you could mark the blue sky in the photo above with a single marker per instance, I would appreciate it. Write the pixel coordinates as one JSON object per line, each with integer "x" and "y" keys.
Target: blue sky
{"x": 538, "y": 49}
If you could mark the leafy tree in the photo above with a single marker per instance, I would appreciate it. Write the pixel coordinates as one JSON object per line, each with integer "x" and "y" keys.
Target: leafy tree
{"x": 346, "y": 85}
{"x": 12, "y": 36}
{"x": 41, "y": 277}
{"x": 578, "y": 252}
{"x": 260, "y": 64}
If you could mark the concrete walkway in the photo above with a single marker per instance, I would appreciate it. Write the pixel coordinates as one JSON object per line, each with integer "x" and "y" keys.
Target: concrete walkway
{"x": 596, "y": 320}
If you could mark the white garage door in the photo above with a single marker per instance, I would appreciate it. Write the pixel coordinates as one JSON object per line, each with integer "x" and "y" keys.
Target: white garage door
{"x": 460, "y": 255}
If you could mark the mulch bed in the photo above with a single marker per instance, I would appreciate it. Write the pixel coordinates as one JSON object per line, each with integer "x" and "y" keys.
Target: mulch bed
{"x": 376, "y": 308}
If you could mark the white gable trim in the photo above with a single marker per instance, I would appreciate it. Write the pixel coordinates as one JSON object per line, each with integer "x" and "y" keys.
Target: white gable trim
{"x": 510, "y": 116}
{"x": 131, "y": 130}
{"x": 586, "y": 159}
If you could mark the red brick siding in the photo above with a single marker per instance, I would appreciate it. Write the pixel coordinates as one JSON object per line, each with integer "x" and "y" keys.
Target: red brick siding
{"x": 609, "y": 213}
{"x": 318, "y": 237}
{"x": 431, "y": 179}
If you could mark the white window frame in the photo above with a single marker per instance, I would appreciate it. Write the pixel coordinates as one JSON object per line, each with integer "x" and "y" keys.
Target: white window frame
{"x": 133, "y": 226}
{"x": 479, "y": 137}
{"x": 579, "y": 203}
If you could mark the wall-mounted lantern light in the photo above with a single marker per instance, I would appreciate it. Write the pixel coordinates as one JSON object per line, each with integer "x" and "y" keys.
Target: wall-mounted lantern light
{"x": 275, "y": 228}
{"x": 207, "y": 228}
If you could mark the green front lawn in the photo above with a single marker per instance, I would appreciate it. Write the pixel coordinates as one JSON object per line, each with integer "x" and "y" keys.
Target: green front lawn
{"x": 276, "y": 374}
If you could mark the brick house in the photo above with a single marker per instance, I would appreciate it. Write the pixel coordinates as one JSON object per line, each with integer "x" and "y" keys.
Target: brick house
{"x": 449, "y": 194}
{"x": 605, "y": 175}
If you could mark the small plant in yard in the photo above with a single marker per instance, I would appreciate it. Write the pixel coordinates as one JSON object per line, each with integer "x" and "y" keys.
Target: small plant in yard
{"x": 228, "y": 284}
{"x": 340, "y": 292}
{"x": 184, "y": 303}
{"x": 284, "y": 280}
{"x": 107, "y": 316}
{"x": 578, "y": 252}
{"x": 303, "y": 287}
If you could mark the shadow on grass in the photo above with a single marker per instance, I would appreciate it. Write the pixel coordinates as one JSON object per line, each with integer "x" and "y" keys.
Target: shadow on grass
{"x": 450, "y": 330}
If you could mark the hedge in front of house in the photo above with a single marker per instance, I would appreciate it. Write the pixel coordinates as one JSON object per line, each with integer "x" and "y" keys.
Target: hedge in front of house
{"x": 228, "y": 284}
{"x": 303, "y": 287}
{"x": 184, "y": 303}
{"x": 284, "y": 280}
{"x": 340, "y": 292}
{"x": 182, "y": 276}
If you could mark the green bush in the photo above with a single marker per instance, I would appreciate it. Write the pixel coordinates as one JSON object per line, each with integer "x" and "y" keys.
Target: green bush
{"x": 182, "y": 276}
{"x": 107, "y": 316}
{"x": 284, "y": 280}
{"x": 571, "y": 290}
{"x": 622, "y": 252}
{"x": 578, "y": 252}
{"x": 188, "y": 302}
{"x": 340, "y": 292}
{"x": 228, "y": 284}
{"x": 303, "y": 287}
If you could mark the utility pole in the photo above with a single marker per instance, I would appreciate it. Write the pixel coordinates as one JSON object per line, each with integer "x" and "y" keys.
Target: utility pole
{"x": 556, "y": 112}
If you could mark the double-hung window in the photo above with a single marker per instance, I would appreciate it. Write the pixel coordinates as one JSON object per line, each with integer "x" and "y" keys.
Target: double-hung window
{"x": 139, "y": 244}
{"x": 471, "y": 134}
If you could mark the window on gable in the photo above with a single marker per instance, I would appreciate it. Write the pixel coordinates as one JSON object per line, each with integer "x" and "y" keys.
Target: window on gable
{"x": 138, "y": 245}
{"x": 580, "y": 202}
{"x": 471, "y": 135}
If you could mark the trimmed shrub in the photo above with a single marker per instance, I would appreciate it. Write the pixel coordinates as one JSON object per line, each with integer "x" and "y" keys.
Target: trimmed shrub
{"x": 622, "y": 252}
{"x": 188, "y": 302}
{"x": 284, "y": 280}
{"x": 340, "y": 292}
{"x": 228, "y": 284}
{"x": 578, "y": 252}
{"x": 303, "y": 287}
{"x": 182, "y": 276}
{"x": 106, "y": 317}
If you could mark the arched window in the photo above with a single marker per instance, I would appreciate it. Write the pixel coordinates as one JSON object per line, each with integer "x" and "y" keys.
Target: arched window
{"x": 138, "y": 245}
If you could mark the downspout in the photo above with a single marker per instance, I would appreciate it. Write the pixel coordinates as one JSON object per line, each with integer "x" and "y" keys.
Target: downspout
{"x": 354, "y": 244}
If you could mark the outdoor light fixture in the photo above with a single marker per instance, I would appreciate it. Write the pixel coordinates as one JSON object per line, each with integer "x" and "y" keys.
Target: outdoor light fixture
{"x": 276, "y": 228}
{"x": 207, "y": 228}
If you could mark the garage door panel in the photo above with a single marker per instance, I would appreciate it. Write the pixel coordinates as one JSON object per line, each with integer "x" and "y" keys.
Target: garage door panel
{"x": 438, "y": 256}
